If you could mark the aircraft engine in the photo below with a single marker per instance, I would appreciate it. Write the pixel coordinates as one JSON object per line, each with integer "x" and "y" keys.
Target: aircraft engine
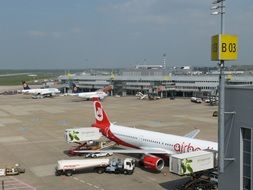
{"x": 153, "y": 162}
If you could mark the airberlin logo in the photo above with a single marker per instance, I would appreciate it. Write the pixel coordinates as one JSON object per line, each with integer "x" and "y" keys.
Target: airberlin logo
{"x": 98, "y": 111}
{"x": 185, "y": 147}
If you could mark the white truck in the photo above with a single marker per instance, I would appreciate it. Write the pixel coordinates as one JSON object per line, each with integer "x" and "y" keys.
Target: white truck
{"x": 117, "y": 166}
{"x": 78, "y": 135}
{"x": 191, "y": 162}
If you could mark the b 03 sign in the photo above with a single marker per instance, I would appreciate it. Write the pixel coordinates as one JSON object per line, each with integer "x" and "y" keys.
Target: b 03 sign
{"x": 224, "y": 47}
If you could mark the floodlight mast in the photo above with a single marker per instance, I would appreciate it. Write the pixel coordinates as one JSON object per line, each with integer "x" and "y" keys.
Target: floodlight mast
{"x": 219, "y": 4}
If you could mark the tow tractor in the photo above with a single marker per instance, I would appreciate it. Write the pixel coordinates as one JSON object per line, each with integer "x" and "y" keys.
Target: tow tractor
{"x": 11, "y": 170}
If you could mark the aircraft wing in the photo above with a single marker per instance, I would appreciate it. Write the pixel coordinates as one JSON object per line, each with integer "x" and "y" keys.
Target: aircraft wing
{"x": 193, "y": 134}
{"x": 129, "y": 151}
{"x": 94, "y": 96}
{"x": 45, "y": 93}
{"x": 72, "y": 94}
{"x": 84, "y": 95}
{"x": 144, "y": 96}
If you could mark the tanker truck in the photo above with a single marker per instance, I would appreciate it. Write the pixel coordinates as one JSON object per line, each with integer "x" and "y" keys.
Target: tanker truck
{"x": 101, "y": 165}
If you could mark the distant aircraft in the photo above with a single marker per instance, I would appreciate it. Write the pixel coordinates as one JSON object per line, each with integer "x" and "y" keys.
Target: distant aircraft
{"x": 153, "y": 145}
{"x": 100, "y": 94}
{"x": 141, "y": 96}
{"x": 39, "y": 92}
{"x": 89, "y": 95}
{"x": 150, "y": 96}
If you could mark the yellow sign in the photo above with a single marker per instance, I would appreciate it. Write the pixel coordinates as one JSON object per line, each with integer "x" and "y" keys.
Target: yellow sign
{"x": 215, "y": 48}
{"x": 224, "y": 47}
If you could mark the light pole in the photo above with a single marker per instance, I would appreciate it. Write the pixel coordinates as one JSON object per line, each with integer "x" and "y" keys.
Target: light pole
{"x": 219, "y": 10}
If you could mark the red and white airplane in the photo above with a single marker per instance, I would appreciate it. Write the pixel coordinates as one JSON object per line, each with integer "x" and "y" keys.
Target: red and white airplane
{"x": 149, "y": 143}
{"x": 100, "y": 94}
{"x": 89, "y": 95}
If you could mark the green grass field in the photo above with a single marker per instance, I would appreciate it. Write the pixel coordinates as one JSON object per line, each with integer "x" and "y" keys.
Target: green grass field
{"x": 17, "y": 79}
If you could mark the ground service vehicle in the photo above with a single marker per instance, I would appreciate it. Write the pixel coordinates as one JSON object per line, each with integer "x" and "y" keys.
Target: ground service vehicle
{"x": 79, "y": 135}
{"x": 68, "y": 167}
{"x": 11, "y": 170}
{"x": 90, "y": 145}
{"x": 99, "y": 154}
{"x": 191, "y": 162}
{"x": 196, "y": 100}
{"x": 85, "y": 139}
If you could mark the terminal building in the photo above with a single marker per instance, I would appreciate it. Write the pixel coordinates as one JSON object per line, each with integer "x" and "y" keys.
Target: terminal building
{"x": 238, "y": 171}
{"x": 161, "y": 81}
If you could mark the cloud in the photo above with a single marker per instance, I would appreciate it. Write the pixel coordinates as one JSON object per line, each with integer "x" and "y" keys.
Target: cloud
{"x": 155, "y": 19}
{"x": 41, "y": 34}
{"x": 159, "y": 12}
{"x": 136, "y": 11}
{"x": 37, "y": 33}
{"x": 56, "y": 34}
{"x": 133, "y": 6}
{"x": 76, "y": 30}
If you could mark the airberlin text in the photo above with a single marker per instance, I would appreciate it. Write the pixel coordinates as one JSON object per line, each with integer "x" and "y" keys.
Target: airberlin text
{"x": 186, "y": 147}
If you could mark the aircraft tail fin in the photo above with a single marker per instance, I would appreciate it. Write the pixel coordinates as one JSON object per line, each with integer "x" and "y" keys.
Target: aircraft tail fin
{"x": 107, "y": 88}
{"x": 101, "y": 117}
{"x": 25, "y": 85}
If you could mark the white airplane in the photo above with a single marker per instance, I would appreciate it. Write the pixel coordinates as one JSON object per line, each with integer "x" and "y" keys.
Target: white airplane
{"x": 150, "y": 96}
{"x": 41, "y": 92}
{"x": 100, "y": 94}
{"x": 89, "y": 95}
{"x": 149, "y": 143}
{"x": 141, "y": 96}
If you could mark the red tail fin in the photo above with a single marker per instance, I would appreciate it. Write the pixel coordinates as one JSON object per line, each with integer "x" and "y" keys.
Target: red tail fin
{"x": 107, "y": 89}
{"x": 102, "y": 120}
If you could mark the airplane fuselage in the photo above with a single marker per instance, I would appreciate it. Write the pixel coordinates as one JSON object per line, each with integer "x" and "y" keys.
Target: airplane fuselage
{"x": 41, "y": 91}
{"x": 89, "y": 95}
{"x": 139, "y": 138}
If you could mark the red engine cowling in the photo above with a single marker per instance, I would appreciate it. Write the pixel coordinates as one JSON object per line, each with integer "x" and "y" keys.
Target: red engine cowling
{"x": 153, "y": 162}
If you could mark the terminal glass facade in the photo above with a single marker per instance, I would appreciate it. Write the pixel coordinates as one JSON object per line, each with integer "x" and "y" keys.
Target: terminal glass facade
{"x": 246, "y": 158}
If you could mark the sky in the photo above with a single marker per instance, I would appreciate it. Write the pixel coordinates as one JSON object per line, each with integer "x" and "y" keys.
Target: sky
{"x": 79, "y": 34}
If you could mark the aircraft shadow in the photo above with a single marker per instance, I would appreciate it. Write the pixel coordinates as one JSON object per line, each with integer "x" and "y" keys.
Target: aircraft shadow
{"x": 79, "y": 100}
{"x": 174, "y": 185}
{"x": 66, "y": 152}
